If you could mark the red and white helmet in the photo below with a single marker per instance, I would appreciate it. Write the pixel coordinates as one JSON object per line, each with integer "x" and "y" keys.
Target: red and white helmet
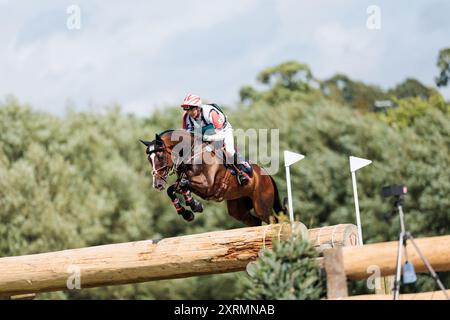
{"x": 192, "y": 100}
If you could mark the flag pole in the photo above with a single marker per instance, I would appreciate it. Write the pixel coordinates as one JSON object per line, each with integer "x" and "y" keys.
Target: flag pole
{"x": 289, "y": 159}
{"x": 358, "y": 216}
{"x": 289, "y": 190}
{"x": 356, "y": 164}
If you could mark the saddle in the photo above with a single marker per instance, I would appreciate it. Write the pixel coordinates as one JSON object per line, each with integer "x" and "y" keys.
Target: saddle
{"x": 246, "y": 166}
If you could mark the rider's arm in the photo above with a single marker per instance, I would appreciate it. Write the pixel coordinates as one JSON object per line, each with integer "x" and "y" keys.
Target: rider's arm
{"x": 215, "y": 137}
{"x": 186, "y": 125}
{"x": 214, "y": 131}
{"x": 208, "y": 132}
{"x": 217, "y": 119}
{"x": 184, "y": 121}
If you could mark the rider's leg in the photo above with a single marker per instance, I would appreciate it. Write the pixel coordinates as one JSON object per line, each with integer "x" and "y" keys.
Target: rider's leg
{"x": 232, "y": 157}
{"x": 228, "y": 143}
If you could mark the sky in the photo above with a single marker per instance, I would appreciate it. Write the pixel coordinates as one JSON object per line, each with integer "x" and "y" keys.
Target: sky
{"x": 149, "y": 54}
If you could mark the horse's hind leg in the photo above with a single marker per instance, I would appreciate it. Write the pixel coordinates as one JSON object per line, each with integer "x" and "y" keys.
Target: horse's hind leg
{"x": 187, "y": 215}
{"x": 263, "y": 203}
{"x": 240, "y": 210}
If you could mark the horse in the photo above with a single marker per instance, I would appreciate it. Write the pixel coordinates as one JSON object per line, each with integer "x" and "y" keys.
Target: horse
{"x": 205, "y": 174}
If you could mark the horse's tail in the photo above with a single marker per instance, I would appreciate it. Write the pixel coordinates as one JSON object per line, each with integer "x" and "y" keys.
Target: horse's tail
{"x": 277, "y": 205}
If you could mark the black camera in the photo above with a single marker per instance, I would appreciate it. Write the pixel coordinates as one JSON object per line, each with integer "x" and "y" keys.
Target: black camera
{"x": 394, "y": 191}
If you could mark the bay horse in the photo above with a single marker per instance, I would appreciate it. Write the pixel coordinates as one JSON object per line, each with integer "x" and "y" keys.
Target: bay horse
{"x": 200, "y": 169}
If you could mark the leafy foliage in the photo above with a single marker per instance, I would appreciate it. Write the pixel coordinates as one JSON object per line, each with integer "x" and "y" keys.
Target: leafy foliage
{"x": 288, "y": 272}
{"x": 83, "y": 179}
{"x": 443, "y": 64}
{"x": 411, "y": 88}
{"x": 361, "y": 96}
{"x": 285, "y": 81}
{"x": 294, "y": 81}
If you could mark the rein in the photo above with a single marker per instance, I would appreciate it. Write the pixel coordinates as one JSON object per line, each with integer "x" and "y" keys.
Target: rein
{"x": 200, "y": 152}
{"x": 168, "y": 171}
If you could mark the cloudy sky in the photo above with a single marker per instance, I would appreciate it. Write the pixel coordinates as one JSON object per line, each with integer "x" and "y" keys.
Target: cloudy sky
{"x": 147, "y": 54}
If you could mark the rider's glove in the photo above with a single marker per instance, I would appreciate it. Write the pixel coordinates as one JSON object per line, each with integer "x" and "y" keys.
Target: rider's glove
{"x": 208, "y": 129}
{"x": 207, "y": 132}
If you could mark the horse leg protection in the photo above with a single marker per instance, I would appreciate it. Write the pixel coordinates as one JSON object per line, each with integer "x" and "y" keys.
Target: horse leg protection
{"x": 186, "y": 214}
{"x": 175, "y": 201}
{"x": 195, "y": 205}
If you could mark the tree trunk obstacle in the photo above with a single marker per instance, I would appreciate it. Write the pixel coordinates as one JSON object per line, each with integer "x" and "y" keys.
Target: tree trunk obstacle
{"x": 141, "y": 261}
{"x": 358, "y": 262}
{"x": 384, "y": 255}
{"x": 432, "y": 295}
{"x": 212, "y": 253}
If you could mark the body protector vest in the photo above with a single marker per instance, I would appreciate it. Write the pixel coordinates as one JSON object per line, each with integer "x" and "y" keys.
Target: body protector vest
{"x": 211, "y": 117}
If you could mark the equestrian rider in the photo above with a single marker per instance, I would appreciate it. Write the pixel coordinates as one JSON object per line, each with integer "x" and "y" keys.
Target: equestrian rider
{"x": 215, "y": 127}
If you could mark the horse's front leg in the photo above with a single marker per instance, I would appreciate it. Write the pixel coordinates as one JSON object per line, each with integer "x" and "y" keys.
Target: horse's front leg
{"x": 186, "y": 214}
{"x": 194, "y": 204}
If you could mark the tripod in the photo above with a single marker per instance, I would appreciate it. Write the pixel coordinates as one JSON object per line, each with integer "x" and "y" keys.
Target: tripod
{"x": 404, "y": 236}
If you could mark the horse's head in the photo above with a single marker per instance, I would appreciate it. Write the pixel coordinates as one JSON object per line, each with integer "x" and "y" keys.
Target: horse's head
{"x": 159, "y": 157}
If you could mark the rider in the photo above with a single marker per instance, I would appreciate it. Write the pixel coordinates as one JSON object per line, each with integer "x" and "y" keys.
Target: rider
{"x": 215, "y": 127}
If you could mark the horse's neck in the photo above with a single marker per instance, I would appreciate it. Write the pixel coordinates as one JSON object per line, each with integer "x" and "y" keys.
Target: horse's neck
{"x": 171, "y": 139}
{"x": 202, "y": 160}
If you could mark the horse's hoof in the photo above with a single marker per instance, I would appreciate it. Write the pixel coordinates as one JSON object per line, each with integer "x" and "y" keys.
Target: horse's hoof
{"x": 188, "y": 215}
{"x": 197, "y": 206}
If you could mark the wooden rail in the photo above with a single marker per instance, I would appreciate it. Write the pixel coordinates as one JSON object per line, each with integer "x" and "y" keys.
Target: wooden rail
{"x": 140, "y": 261}
{"x": 360, "y": 262}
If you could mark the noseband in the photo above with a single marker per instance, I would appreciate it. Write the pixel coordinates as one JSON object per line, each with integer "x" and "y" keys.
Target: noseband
{"x": 156, "y": 172}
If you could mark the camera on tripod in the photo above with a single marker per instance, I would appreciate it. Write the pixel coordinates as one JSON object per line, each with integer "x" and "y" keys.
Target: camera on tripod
{"x": 394, "y": 190}
{"x": 409, "y": 275}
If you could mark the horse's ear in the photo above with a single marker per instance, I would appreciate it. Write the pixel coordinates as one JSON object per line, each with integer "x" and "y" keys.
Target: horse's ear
{"x": 158, "y": 137}
{"x": 146, "y": 143}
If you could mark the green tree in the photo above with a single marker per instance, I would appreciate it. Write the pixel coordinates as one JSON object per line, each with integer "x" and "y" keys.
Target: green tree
{"x": 443, "y": 63}
{"x": 288, "y": 272}
{"x": 342, "y": 89}
{"x": 83, "y": 179}
{"x": 283, "y": 81}
{"x": 412, "y": 109}
{"x": 411, "y": 88}
{"x": 292, "y": 75}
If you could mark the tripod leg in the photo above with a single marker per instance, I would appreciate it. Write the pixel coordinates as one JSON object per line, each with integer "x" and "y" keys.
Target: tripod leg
{"x": 429, "y": 267}
{"x": 399, "y": 266}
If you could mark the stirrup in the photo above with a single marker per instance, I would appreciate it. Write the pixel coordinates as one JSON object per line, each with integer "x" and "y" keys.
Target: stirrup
{"x": 242, "y": 178}
{"x": 246, "y": 168}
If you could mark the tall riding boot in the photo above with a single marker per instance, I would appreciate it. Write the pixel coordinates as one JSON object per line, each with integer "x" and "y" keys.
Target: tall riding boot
{"x": 242, "y": 176}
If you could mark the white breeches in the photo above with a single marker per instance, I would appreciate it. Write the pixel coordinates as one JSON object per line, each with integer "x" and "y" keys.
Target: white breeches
{"x": 228, "y": 142}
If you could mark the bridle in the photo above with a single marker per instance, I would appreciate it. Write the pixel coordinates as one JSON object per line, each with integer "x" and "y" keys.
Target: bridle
{"x": 167, "y": 170}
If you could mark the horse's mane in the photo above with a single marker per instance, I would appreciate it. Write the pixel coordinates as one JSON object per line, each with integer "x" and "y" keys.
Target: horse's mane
{"x": 166, "y": 131}
{"x": 182, "y": 133}
{"x": 170, "y": 131}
